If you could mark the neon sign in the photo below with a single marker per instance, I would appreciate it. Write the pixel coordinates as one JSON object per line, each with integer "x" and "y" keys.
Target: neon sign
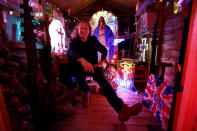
{"x": 129, "y": 84}
{"x": 127, "y": 64}
{"x": 126, "y": 72}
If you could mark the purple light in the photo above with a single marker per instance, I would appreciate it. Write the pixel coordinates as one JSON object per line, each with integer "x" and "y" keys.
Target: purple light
{"x": 129, "y": 84}
{"x": 73, "y": 79}
{"x": 5, "y": 16}
{"x": 180, "y": 2}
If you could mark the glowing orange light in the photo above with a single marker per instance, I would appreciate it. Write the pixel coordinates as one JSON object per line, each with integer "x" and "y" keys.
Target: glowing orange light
{"x": 178, "y": 68}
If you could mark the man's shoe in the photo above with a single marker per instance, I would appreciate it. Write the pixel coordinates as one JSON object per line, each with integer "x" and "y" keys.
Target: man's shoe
{"x": 85, "y": 99}
{"x": 126, "y": 111}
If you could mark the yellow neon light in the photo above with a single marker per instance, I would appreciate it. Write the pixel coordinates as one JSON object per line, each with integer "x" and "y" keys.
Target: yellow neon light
{"x": 126, "y": 64}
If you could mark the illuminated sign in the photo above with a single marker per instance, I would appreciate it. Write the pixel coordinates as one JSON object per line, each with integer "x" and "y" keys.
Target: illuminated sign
{"x": 126, "y": 71}
{"x": 143, "y": 48}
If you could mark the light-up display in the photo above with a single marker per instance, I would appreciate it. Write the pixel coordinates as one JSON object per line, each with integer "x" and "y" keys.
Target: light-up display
{"x": 110, "y": 20}
{"x": 117, "y": 41}
{"x": 57, "y": 35}
{"x": 126, "y": 71}
{"x": 126, "y": 83}
{"x": 178, "y": 6}
{"x": 143, "y": 48}
{"x": 5, "y": 16}
{"x": 18, "y": 31}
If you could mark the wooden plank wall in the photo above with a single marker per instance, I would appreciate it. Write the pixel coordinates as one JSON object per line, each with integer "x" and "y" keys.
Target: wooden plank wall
{"x": 171, "y": 44}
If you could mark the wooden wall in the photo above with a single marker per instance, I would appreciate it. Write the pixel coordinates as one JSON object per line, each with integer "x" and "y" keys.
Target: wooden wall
{"x": 171, "y": 44}
{"x": 126, "y": 25}
{"x": 187, "y": 114}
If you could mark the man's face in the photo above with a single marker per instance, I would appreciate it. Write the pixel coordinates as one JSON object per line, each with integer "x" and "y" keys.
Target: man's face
{"x": 83, "y": 30}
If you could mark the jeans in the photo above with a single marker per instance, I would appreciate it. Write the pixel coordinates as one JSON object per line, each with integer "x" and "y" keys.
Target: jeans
{"x": 98, "y": 75}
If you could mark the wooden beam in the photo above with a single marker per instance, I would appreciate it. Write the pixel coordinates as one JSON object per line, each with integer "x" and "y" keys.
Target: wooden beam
{"x": 127, "y": 3}
{"x": 90, "y": 7}
{"x": 94, "y": 7}
{"x": 160, "y": 26}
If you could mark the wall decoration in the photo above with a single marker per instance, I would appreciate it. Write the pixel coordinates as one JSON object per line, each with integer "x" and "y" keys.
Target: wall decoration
{"x": 158, "y": 96}
{"x": 178, "y": 6}
{"x": 126, "y": 69}
{"x": 143, "y": 48}
{"x": 48, "y": 10}
{"x": 110, "y": 19}
{"x": 57, "y": 35}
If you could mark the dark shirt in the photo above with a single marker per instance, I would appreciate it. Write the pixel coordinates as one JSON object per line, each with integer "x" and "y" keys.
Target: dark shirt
{"x": 88, "y": 50}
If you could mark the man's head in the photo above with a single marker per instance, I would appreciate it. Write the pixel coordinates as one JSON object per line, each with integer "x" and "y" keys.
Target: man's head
{"x": 83, "y": 30}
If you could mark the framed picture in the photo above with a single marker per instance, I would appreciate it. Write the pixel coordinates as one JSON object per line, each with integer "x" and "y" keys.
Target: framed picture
{"x": 48, "y": 10}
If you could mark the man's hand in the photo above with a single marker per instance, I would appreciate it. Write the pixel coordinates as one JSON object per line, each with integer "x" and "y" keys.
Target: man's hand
{"x": 100, "y": 64}
{"x": 86, "y": 65}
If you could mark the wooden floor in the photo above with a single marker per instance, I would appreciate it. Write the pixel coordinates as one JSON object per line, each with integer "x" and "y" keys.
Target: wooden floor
{"x": 100, "y": 116}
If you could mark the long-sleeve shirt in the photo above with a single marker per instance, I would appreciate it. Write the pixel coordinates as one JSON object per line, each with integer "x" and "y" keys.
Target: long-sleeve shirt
{"x": 88, "y": 50}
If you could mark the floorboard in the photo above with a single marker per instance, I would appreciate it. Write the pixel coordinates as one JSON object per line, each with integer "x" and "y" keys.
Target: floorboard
{"x": 100, "y": 116}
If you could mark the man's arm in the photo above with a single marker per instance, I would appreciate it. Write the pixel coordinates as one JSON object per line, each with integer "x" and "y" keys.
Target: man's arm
{"x": 86, "y": 65}
{"x": 72, "y": 54}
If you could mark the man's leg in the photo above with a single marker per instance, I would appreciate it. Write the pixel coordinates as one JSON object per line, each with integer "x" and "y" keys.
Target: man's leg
{"x": 109, "y": 92}
{"x": 81, "y": 80}
{"x": 78, "y": 71}
{"x": 123, "y": 110}
{"x": 66, "y": 74}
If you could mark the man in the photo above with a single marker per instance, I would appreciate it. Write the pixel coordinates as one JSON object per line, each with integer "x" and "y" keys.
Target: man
{"x": 83, "y": 51}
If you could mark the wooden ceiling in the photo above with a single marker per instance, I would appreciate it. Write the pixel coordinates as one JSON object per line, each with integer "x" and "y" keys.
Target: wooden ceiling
{"x": 86, "y": 8}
